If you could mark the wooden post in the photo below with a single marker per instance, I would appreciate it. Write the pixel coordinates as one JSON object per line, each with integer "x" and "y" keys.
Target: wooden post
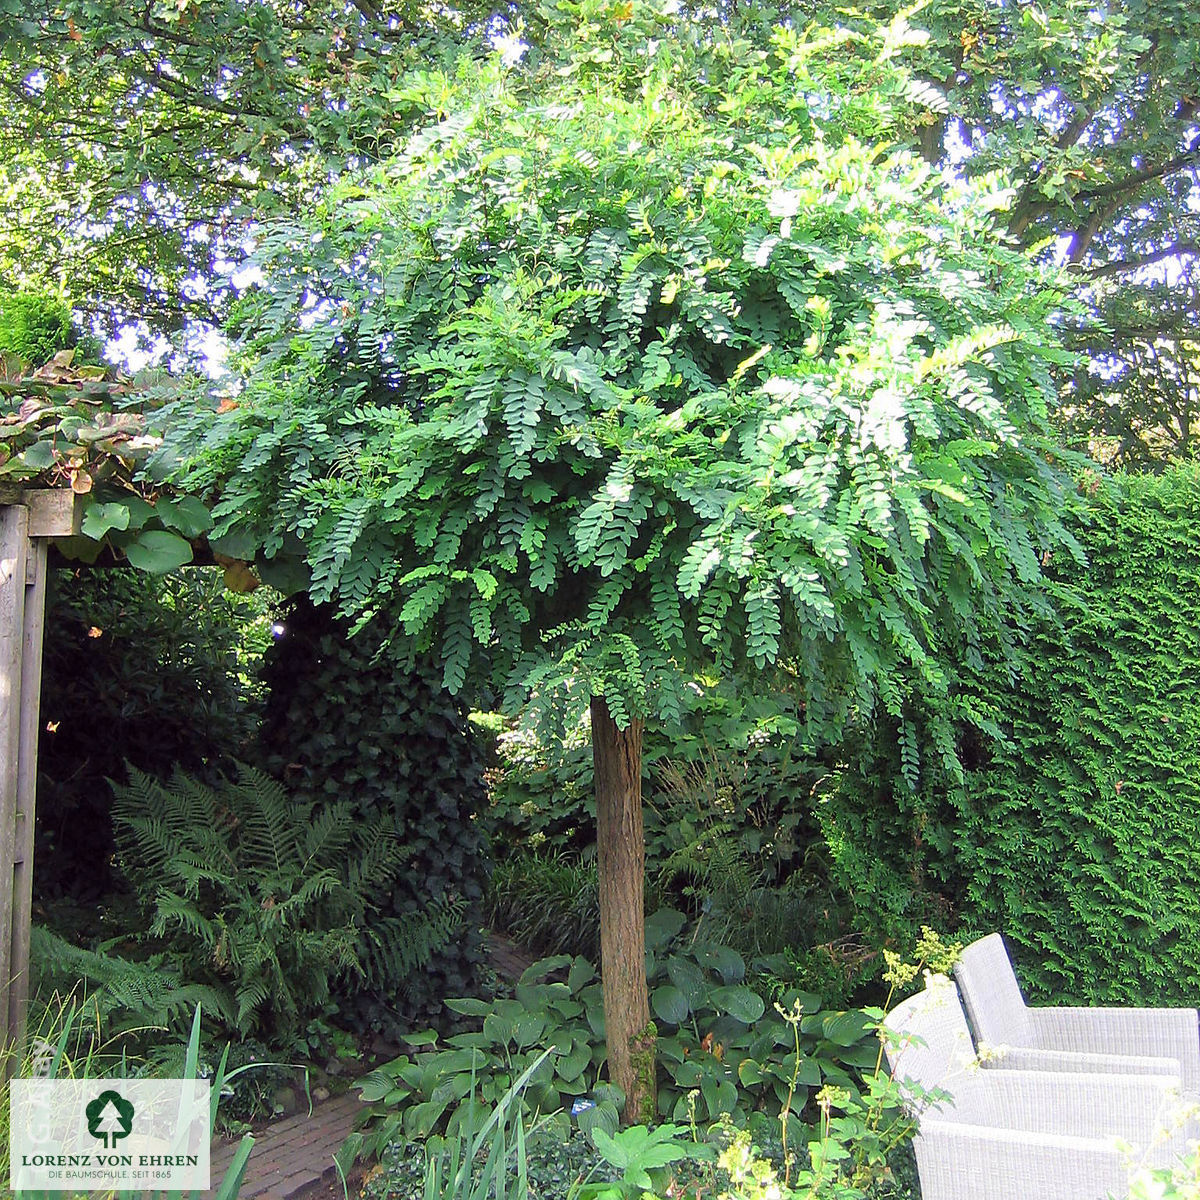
{"x": 31, "y": 699}
{"x": 26, "y": 522}
{"x": 14, "y": 549}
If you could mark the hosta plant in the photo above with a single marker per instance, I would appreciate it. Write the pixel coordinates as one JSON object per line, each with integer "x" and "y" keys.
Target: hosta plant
{"x": 722, "y": 1052}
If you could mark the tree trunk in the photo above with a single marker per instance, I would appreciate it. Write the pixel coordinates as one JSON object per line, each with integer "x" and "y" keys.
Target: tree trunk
{"x": 617, "y": 755}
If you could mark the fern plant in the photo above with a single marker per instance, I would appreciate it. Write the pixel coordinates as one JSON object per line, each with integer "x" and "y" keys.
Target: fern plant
{"x": 264, "y": 898}
{"x": 722, "y": 854}
{"x": 122, "y": 995}
{"x": 731, "y": 849}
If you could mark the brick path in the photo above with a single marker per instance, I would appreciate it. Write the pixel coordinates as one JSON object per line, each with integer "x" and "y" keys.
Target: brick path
{"x": 293, "y": 1154}
{"x": 508, "y": 959}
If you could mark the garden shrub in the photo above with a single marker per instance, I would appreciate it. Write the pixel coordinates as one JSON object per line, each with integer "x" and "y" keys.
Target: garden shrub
{"x": 155, "y": 670}
{"x": 343, "y": 724}
{"x": 34, "y": 326}
{"x": 541, "y": 791}
{"x": 548, "y": 903}
{"x": 885, "y": 833}
{"x": 119, "y": 995}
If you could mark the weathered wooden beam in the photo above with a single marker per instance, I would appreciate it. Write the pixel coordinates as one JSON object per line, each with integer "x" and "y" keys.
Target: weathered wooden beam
{"x": 53, "y": 512}
{"x": 14, "y": 547}
{"x": 33, "y": 624}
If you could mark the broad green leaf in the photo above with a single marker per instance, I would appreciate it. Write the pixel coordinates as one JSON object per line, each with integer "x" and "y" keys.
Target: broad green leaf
{"x": 421, "y": 1119}
{"x": 468, "y": 1006}
{"x": 582, "y": 972}
{"x": 286, "y": 575}
{"x": 740, "y": 1002}
{"x": 100, "y": 518}
{"x": 186, "y": 514}
{"x": 157, "y": 551}
{"x": 726, "y": 961}
{"x": 39, "y": 456}
{"x": 602, "y": 1118}
{"x": 237, "y": 544}
{"x": 662, "y": 926}
{"x": 688, "y": 978}
{"x": 669, "y": 1004}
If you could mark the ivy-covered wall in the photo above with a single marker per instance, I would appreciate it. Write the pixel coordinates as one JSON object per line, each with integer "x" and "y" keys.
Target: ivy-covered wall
{"x": 344, "y": 722}
{"x": 1079, "y": 837}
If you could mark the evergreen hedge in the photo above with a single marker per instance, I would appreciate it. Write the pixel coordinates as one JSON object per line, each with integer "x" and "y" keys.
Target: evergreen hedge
{"x": 1074, "y": 827}
{"x": 1080, "y": 833}
{"x": 343, "y": 723}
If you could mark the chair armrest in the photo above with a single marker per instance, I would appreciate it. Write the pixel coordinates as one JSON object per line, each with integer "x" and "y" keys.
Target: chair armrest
{"x": 1153, "y": 1032}
{"x": 1024, "y": 1058}
{"x": 955, "y": 1160}
{"x": 1135, "y": 1108}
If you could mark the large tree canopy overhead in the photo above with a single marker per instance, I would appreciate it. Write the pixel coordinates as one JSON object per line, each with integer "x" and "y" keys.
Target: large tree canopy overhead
{"x": 142, "y": 141}
{"x": 619, "y": 381}
{"x": 612, "y": 389}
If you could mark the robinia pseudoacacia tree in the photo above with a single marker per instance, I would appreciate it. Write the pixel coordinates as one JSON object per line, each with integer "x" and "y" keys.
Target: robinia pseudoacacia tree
{"x": 607, "y": 387}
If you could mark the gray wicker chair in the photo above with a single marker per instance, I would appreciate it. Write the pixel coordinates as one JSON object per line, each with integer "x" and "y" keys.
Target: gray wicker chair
{"x": 1005, "y": 1134}
{"x": 1151, "y": 1041}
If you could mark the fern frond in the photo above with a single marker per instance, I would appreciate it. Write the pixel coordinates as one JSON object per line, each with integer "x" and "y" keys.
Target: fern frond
{"x": 268, "y": 832}
{"x": 328, "y": 834}
{"x": 179, "y": 912}
{"x": 396, "y": 946}
{"x": 126, "y": 995}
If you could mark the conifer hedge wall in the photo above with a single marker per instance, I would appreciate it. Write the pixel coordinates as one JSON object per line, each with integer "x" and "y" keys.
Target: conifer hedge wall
{"x": 1079, "y": 837}
{"x": 1077, "y": 834}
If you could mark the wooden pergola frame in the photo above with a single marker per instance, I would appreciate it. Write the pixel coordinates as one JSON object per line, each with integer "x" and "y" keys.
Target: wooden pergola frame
{"x": 28, "y": 520}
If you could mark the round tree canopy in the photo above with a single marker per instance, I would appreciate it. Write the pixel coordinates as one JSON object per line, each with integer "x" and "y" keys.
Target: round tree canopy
{"x": 602, "y": 385}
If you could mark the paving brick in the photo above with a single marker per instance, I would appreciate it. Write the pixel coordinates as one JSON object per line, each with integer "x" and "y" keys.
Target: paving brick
{"x": 293, "y": 1153}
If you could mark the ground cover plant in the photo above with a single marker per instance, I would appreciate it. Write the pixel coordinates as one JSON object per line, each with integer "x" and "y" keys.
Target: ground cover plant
{"x": 631, "y": 411}
{"x": 791, "y": 1102}
{"x": 724, "y": 1052}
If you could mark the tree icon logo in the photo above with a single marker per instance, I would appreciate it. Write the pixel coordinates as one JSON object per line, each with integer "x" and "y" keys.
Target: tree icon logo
{"x": 109, "y": 1117}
